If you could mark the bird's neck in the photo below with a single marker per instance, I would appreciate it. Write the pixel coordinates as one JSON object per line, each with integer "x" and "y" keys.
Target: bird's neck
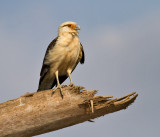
{"x": 67, "y": 38}
{"x": 68, "y": 34}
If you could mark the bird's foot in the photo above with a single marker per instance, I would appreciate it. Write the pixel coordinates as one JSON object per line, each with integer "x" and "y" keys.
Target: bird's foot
{"x": 60, "y": 88}
{"x": 72, "y": 85}
{"x": 63, "y": 86}
{"x": 75, "y": 87}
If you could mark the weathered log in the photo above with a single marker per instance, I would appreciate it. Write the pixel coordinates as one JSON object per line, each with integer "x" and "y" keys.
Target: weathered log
{"x": 41, "y": 112}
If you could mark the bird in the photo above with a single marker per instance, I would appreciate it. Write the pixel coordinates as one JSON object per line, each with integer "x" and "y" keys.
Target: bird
{"x": 61, "y": 58}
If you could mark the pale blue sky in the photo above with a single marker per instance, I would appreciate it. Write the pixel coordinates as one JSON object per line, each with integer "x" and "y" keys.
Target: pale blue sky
{"x": 121, "y": 40}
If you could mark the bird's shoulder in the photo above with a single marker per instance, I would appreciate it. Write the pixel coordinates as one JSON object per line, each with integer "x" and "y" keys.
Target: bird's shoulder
{"x": 45, "y": 65}
{"x": 51, "y": 45}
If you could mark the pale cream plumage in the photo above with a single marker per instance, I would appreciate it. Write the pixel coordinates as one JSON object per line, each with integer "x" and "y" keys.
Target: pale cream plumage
{"x": 62, "y": 56}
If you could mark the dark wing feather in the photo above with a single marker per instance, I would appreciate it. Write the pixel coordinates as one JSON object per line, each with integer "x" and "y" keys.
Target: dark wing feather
{"x": 45, "y": 67}
{"x": 83, "y": 55}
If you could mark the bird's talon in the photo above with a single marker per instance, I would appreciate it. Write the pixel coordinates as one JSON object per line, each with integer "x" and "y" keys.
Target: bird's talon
{"x": 58, "y": 87}
{"x": 53, "y": 92}
{"x": 61, "y": 92}
{"x": 63, "y": 86}
{"x": 71, "y": 85}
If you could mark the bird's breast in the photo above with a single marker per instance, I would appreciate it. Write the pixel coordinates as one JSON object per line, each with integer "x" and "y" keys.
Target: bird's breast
{"x": 65, "y": 54}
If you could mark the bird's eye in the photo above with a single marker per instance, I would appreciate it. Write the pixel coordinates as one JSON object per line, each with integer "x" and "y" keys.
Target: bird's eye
{"x": 69, "y": 25}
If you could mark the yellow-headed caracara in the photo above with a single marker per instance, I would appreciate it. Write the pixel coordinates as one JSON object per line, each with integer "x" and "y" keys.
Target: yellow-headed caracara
{"x": 62, "y": 56}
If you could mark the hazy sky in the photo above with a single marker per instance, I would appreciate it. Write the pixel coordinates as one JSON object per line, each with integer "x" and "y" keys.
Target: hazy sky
{"x": 121, "y": 39}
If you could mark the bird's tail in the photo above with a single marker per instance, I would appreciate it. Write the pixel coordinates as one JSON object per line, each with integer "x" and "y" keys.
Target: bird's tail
{"x": 46, "y": 82}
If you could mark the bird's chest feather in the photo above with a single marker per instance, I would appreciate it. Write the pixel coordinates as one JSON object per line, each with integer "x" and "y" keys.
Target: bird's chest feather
{"x": 65, "y": 53}
{"x": 71, "y": 52}
{"x": 69, "y": 47}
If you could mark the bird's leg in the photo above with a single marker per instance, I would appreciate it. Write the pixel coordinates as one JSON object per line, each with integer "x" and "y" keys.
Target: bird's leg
{"x": 71, "y": 82}
{"x": 58, "y": 85}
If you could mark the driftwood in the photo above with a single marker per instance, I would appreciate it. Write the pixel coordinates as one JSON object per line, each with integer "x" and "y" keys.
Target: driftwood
{"x": 40, "y": 112}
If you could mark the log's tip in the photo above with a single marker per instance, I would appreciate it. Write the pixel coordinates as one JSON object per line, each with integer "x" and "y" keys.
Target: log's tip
{"x": 133, "y": 96}
{"x": 126, "y": 101}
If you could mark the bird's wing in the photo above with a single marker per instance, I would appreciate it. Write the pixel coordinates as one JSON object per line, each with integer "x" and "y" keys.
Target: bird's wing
{"x": 45, "y": 66}
{"x": 82, "y": 55}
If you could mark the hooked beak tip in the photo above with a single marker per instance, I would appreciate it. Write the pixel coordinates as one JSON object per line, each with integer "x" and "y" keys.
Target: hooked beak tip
{"x": 77, "y": 27}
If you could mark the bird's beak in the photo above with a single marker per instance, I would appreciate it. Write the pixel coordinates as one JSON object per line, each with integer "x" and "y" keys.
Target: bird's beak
{"x": 77, "y": 27}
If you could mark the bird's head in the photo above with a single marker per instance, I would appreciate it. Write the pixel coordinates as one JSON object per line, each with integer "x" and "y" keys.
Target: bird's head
{"x": 68, "y": 27}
